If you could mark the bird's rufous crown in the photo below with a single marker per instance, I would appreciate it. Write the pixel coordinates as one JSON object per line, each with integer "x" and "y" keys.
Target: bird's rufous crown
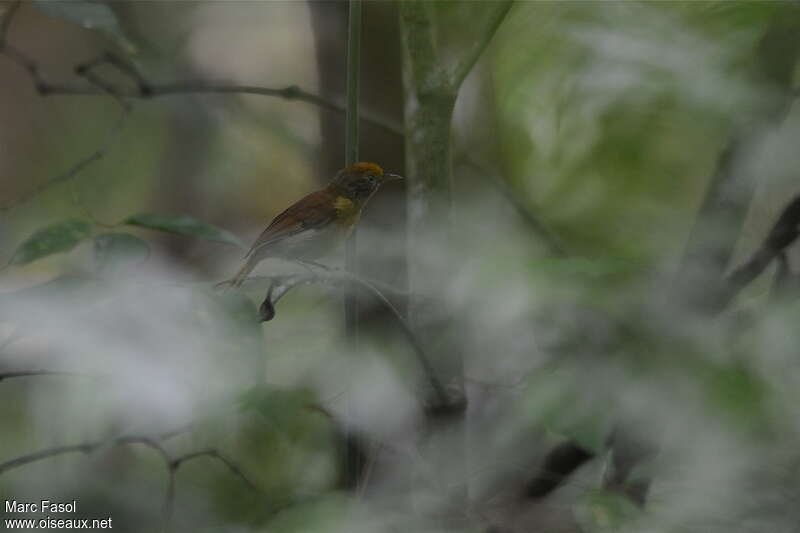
{"x": 365, "y": 168}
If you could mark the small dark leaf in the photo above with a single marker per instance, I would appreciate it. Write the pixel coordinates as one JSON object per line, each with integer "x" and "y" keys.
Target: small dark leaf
{"x": 184, "y": 225}
{"x": 114, "y": 250}
{"x": 278, "y": 288}
{"x": 266, "y": 311}
{"x": 59, "y": 237}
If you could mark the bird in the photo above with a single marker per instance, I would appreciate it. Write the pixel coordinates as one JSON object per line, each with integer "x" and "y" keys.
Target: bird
{"x": 320, "y": 221}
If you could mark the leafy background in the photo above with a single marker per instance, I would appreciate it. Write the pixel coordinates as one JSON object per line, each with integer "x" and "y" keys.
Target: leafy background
{"x": 601, "y": 120}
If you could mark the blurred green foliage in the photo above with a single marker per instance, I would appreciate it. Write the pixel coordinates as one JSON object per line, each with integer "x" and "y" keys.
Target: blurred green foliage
{"x": 608, "y": 119}
{"x": 55, "y": 238}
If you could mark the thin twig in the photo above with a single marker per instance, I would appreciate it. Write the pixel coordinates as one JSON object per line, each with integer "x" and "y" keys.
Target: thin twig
{"x": 44, "y": 454}
{"x": 783, "y": 233}
{"x": 86, "y": 71}
{"x": 77, "y": 168}
{"x": 213, "y": 453}
{"x": 718, "y": 224}
{"x": 30, "y": 373}
{"x": 282, "y": 285}
{"x": 351, "y": 157}
{"x": 8, "y": 18}
{"x": 146, "y": 89}
{"x": 172, "y": 464}
{"x": 548, "y": 237}
{"x": 86, "y": 448}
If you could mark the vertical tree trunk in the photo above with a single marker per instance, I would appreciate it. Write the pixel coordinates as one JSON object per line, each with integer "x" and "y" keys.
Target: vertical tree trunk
{"x": 431, "y": 86}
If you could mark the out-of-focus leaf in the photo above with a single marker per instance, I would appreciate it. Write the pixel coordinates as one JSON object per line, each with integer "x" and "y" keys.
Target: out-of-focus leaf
{"x": 90, "y": 15}
{"x": 65, "y": 292}
{"x": 58, "y": 237}
{"x": 243, "y": 342}
{"x": 114, "y": 250}
{"x": 328, "y": 513}
{"x": 556, "y": 399}
{"x": 605, "y": 511}
{"x": 277, "y": 406}
{"x": 739, "y": 392}
{"x": 184, "y": 225}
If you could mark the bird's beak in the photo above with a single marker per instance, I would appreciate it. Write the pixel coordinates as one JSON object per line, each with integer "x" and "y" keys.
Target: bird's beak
{"x": 392, "y": 177}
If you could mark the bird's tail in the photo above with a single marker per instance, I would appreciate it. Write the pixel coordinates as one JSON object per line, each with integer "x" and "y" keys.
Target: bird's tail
{"x": 240, "y": 276}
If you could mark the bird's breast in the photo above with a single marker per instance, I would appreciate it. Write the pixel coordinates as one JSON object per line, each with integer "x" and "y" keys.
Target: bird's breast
{"x": 346, "y": 211}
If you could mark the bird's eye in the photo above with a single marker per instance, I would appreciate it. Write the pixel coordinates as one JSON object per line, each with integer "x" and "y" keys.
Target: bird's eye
{"x": 371, "y": 180}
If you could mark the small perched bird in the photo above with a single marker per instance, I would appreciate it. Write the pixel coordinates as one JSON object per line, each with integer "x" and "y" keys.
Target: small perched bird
{"x": 316, "y": 224}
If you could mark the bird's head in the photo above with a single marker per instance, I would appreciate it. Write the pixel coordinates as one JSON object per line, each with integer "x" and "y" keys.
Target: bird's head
{"x": 361, "y": 180}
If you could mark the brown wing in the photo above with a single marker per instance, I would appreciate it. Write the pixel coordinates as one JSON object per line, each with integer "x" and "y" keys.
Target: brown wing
{"x": 312, "y": 211}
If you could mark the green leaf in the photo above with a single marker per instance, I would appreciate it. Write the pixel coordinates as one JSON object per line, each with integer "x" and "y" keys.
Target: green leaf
{"x": 277, "y": 406}
{"x": 556, "y": 399}
{"x": 59, "y": 237}
{"x": 114, "y": 250}
{"x": 88, "y": 14}
{"x": 184, "y": 225}
{"x": 604, "y": 511}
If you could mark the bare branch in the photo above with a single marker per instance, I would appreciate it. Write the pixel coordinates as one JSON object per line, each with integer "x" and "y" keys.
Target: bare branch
{"x": 172, "y": 464}
{"x": 213, "y": 453}
{"x": 719, "y": 221}
{"x": 146, "y": 89}
{"x": 30, "y": 373}
{"x": 8, "y": 18}
{"x": 281, "y": 285}
{"x": 77, "y": 168}
{"x": 44, "y": 454}
{"x": 783, "y": 233}
{"x": 550, "y": 240}
{"x": 86, "y": 448}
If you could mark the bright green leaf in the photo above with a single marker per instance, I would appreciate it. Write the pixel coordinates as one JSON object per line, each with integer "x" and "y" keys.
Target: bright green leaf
{"x": 113, "y": 250}
{"x": 59, "y": 237}
{"x": 184, "y": 225}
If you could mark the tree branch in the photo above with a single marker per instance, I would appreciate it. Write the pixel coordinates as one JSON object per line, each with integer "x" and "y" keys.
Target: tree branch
{"x": 7, "y": 19}
{"x": 86, "y": 448}
{"x": 172, "y": 464}
{"x": 281, "y": 285}
{"x": 145, "y": 89}
{"x": 213, "y": 453}
{"x": 718, "y": 225}
{"x": 30, "y": 373}
{"x": 417, "y": 34}
{"x": 534, "y": 222}
{"x": 783, "y": 233}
